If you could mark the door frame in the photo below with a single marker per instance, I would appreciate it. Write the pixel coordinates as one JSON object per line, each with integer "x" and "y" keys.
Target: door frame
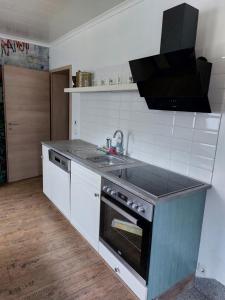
{"x": 56, "y": 70}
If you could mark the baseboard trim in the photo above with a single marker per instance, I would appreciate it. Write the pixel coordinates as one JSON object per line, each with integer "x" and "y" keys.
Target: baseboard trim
{"x": 178, "y": 288}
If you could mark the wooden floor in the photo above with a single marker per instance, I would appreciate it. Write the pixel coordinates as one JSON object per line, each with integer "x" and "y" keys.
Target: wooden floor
{"x": 41, "y": 254}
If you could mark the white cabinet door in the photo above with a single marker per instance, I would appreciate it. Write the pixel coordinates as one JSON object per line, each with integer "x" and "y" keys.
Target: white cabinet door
{"x": 85, "y": 202}
{"x": 56, "y": 184}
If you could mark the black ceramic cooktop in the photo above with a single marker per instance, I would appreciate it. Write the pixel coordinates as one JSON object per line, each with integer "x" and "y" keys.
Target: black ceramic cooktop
{"x": 156, "y": 181}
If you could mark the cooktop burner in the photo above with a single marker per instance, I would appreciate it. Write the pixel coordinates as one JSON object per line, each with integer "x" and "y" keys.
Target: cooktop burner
{"x": 156, "y": 181}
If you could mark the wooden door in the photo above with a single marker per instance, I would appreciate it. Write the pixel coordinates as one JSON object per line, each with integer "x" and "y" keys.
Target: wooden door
{"x": 27, "y": 113}
{"x": 60, "y": 79}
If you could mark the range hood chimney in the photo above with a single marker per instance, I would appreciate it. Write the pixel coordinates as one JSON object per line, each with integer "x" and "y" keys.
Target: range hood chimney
{"x": 175, "y": 79}
{"x": 179, "y": 28}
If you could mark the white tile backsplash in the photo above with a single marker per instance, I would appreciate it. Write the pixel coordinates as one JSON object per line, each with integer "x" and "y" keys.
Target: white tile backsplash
{"x": 180, "y": 141}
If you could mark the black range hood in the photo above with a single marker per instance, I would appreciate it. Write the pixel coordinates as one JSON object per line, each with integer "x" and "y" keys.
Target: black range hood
{"x": 175, "y": 80}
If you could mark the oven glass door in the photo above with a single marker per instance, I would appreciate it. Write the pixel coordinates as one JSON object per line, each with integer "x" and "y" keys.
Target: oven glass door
{"x": 128, "y": 234}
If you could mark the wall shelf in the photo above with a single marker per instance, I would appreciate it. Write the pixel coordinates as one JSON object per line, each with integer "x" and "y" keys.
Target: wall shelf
{"x": 104, "y": 88}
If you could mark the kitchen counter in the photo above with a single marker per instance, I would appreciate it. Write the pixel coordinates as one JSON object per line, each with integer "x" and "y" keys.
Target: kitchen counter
{"x": 175, "y": 227}
{"x": 69, "y": 148}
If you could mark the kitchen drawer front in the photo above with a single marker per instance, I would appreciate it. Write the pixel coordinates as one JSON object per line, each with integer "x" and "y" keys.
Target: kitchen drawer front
{"x": 90, "y": 177}
{"x": 132, "y": 282}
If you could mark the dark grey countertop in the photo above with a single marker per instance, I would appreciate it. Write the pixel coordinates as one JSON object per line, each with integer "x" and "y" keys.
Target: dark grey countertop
{"x": 87, "y": 149}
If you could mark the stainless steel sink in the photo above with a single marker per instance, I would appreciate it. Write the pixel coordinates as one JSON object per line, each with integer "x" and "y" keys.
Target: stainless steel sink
{"x": 107, "y": 160}
{"x": 97, "y": 157}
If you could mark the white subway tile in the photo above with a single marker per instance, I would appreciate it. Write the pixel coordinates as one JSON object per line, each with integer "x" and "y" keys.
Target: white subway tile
{"x": 124, "y": 124}
{"x": 141, "y": 117}
{"x": 205, "y": 137}
{"x": 202, "y": 162}
{"x": 114, "y": 105}
{"x": 124, "y": 114}
{"x": 143, "y": 137}
{"x": 124, "y": 105}
{"x": 162, "y": 130}
{"x": 164, "y": 141}
{"x": 204, "y": 150}
{"x": 184, "y": 119}
{"x": 181, "y": 144}
{"x": 183, "y": 133}
{"x": 140, "y": 106}
{"x": 179, "y": 167}
{"x": 180, "y": 156}
{"x": 207, "y": 122}
{"x": 144, "y": 148}
{"x": 165, "y": 118}
{"x": 200, "y": 174}
{"x": 161, "y": 152}
{"x": 145, "y": 157}
{"x": 161, "y": 162}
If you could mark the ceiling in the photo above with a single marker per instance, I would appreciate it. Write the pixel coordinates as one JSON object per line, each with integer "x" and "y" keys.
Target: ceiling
{"x": 47, "y": 20}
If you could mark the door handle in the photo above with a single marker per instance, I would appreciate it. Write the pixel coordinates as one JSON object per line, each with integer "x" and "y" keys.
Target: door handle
{"x": 13, "y": 124}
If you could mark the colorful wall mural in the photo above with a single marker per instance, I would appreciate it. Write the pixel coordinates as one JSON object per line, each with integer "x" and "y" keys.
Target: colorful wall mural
{"x": 24, "y": 54}
{"x": 20, "y": 54}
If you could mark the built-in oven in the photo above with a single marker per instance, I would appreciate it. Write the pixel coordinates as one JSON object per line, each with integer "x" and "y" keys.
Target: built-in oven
{"x": 126, "y": 227}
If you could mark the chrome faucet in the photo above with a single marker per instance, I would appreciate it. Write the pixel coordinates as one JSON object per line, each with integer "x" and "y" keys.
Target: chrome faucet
{"x": 120, "y": 146}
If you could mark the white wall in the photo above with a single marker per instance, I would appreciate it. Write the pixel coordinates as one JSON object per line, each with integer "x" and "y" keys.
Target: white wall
{"x": 136, "y": 32}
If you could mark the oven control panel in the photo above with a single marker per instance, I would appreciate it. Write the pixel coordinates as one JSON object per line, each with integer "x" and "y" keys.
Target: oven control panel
{"x": 133, "y": 202}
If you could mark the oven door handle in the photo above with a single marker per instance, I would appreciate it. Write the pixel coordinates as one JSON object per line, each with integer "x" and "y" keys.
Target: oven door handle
{"x": 120, "y": 211}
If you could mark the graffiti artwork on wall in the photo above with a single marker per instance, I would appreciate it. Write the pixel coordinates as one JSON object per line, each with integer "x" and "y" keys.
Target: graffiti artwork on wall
{"x": 9, "y": 46}
{"x": 24, "y": 54}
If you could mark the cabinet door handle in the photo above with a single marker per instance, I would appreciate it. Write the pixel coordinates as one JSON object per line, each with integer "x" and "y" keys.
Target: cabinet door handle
{"x": 97, "y": 195}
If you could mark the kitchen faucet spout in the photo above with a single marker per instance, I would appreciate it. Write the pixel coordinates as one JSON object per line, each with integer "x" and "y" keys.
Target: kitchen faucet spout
{"x": 120, "y": 144}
